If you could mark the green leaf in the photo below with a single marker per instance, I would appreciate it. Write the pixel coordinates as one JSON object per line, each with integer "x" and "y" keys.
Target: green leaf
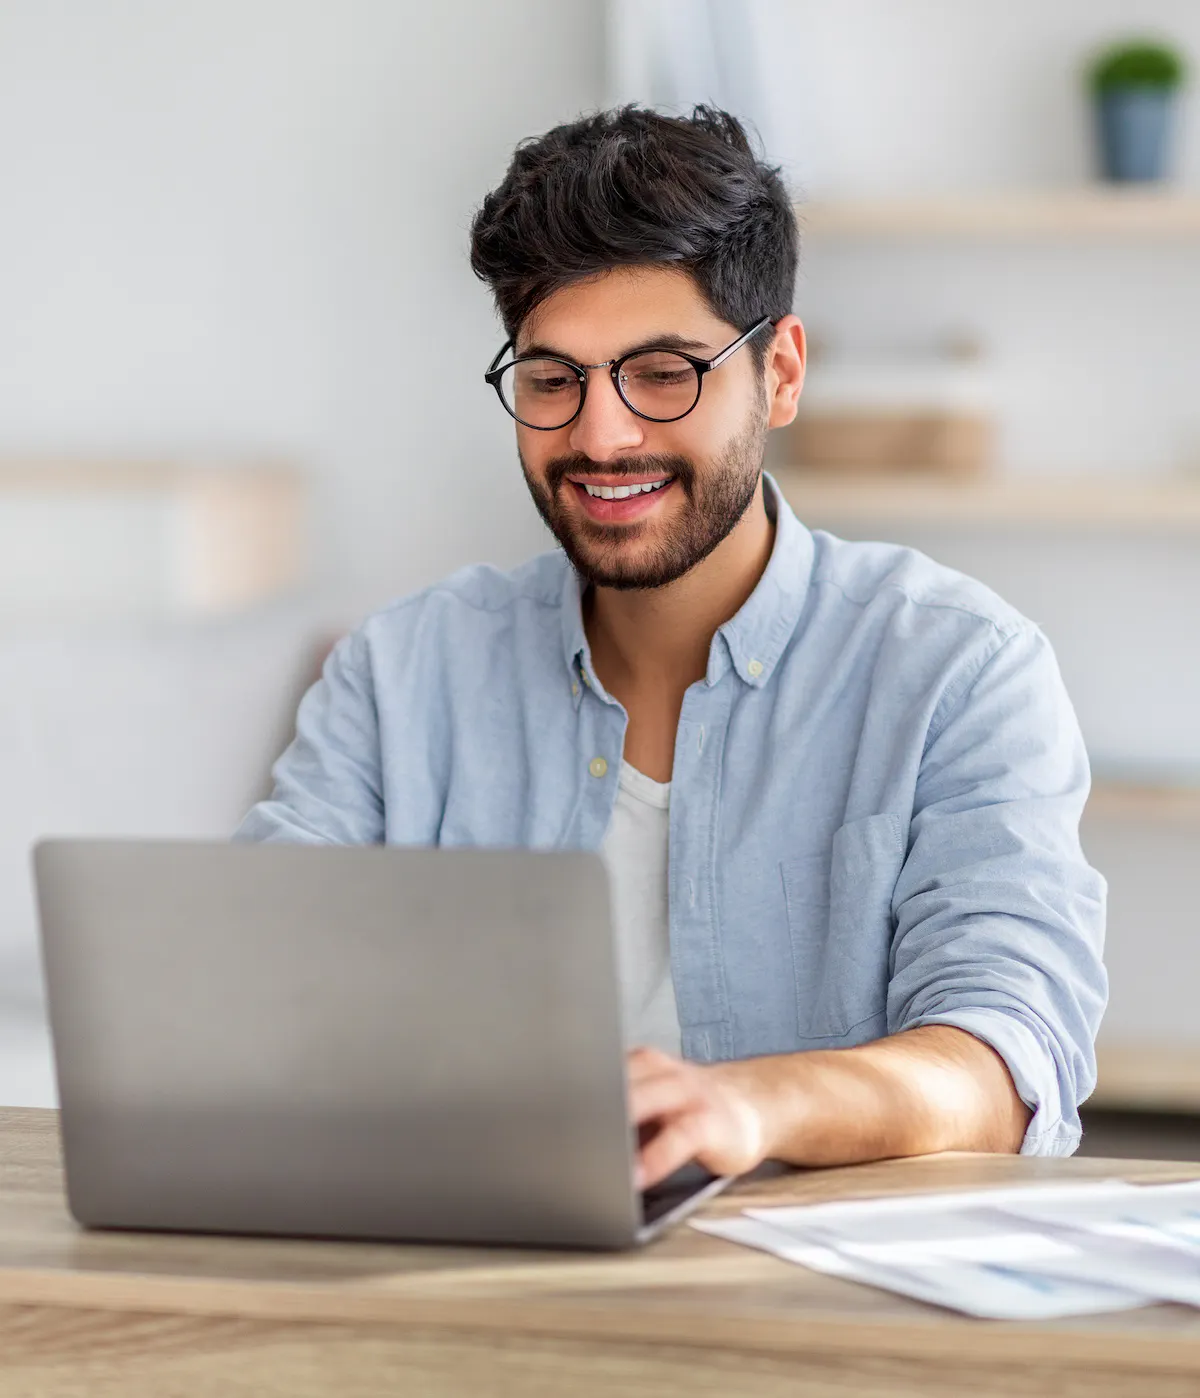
{"x": 1137, "y": 64}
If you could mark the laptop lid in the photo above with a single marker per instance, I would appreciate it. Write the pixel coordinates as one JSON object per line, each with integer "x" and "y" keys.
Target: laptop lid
{"x": 344, "y": 1041}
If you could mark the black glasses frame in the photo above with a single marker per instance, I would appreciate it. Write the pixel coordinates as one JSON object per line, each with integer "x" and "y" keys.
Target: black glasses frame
{"x": 495, "y": 370}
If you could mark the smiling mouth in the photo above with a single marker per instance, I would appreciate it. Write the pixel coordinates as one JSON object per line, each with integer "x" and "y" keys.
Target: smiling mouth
{"x": 623, "y": 492}
{"x": 621, "y": 500}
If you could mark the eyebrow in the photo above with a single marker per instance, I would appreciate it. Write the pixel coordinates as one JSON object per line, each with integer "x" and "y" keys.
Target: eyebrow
{"x": 667, "y": 341}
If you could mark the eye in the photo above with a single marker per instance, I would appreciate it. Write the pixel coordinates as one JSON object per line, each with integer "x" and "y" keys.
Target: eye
{"x": 551, "y": 383}
{"x": 543, "y": 378}
{"x": 662, "y": 378}
{"x": 657, "y": 372}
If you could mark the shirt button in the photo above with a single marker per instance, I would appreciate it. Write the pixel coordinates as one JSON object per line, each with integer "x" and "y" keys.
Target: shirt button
{"x": 597, "y": 766}
{"x": 574, "y": 688}
{"x": 755, "y": 668}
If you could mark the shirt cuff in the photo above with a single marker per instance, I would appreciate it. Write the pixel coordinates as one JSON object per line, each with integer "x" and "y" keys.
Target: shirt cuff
{"x": 1032, "y": 1069}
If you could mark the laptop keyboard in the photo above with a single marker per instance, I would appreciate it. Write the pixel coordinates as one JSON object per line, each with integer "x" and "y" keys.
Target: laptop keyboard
{"x": 676, "y": 1189}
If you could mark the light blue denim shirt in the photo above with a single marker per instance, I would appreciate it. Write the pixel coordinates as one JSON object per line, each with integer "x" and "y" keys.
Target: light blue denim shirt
{"x": 875, "y": 800}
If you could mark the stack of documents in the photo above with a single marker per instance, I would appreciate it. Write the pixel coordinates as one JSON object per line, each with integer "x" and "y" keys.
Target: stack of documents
{"x": 1008, "y": 1254}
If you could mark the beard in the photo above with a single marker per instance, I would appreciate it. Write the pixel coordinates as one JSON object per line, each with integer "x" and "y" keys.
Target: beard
{"x": 716, "y": 498}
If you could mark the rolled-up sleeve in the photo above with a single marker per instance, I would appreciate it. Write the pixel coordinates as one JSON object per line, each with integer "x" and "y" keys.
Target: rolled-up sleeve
{"x": 999, "y": 917}
{"x": 328, "y": 785}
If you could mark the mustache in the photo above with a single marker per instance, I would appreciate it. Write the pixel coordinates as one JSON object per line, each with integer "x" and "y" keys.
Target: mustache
{"x": 558, "y": 468}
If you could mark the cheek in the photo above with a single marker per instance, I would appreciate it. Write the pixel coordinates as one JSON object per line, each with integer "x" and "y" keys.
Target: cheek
{"x": 690, "y": 436}
{"x": 532, "y": 455}
{"x": 697, "y": 437}
{"x": 735, "y": 409}
{"x": 537, "y": 449}
{"x": 729, "y": 396}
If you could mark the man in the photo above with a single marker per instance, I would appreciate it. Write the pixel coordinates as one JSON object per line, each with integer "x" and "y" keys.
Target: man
{"x": 837, "y": 786}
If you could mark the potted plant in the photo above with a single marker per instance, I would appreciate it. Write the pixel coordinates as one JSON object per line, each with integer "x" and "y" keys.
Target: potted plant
{"x": 1134, "y": 86}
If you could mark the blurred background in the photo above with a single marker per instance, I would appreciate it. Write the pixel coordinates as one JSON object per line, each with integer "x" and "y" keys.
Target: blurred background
{"x": 236, "y": 322}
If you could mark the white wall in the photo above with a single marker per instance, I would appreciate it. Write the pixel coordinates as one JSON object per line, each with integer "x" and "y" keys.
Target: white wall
{"x": 232, "y": 225}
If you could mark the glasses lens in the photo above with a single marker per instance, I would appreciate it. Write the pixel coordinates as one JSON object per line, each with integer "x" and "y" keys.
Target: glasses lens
{"x": 661, "y": 386}
{"x": 541, "y": 392}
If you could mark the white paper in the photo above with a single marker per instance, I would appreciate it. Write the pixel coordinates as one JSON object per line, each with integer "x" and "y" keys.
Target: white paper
{"x": 955, "y": 1250}
{"x": 1162, "y": 1215}
{"x": 991, "y": 1293}
{"x": 905, "y": 1205}
{"x": 753, "y": 1233}
{"x": 1147, "y": 1238}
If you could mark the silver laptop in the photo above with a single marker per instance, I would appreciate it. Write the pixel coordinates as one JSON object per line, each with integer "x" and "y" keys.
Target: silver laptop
{"x": 343, "y": 1042}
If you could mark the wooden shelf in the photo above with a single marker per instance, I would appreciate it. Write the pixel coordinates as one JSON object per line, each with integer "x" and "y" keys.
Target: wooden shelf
{"x": 1098, "y": 212}
{"x": 86, "y": 538}
{"x": 1142, "y": 1076}
{"x": 1115, "y": 800}
{"x": 1096, "y": 502}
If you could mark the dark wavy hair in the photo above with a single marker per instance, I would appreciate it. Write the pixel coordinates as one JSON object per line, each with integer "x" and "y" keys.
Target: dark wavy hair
{"x": 629, "y": 188}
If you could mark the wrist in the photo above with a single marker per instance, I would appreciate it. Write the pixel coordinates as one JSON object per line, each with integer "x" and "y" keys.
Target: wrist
{"x": 817, "y": 1108}
{"x": 774, "y": 1090}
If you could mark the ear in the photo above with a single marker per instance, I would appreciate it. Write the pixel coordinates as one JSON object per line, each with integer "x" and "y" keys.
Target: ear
{"x": 785, "y": 370}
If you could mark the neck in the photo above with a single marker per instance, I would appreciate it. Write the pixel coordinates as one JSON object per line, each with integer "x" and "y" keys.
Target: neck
{"x": 662, "y": 635}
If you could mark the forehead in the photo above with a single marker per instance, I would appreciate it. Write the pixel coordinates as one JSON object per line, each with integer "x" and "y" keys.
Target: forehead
{"x": 599, "y": 316}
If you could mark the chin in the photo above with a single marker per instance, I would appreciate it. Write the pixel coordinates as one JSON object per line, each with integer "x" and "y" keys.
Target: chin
{"x": 629, "y": 570}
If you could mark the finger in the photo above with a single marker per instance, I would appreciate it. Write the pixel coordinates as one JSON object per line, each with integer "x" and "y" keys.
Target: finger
{"x": 664, "y": 1095}
{"x": 678, "y": 1143}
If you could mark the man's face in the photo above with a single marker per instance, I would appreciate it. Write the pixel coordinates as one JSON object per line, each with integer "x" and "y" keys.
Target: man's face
{"x": 705, "y": 467}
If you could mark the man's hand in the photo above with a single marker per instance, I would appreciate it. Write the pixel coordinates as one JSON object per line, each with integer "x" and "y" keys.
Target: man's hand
{"x": 927, "y": 1089}
{"x": 691, "y": 1111}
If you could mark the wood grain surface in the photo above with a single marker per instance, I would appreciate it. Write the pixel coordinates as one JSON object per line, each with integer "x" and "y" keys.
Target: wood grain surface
{"x": 132, "y": 1314}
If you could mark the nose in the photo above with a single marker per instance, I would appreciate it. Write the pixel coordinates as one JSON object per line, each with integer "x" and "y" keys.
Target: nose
{"x": 605, "y": 428}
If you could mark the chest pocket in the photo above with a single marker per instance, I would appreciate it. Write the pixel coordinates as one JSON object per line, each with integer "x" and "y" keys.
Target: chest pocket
{"x": 839, "y": 911}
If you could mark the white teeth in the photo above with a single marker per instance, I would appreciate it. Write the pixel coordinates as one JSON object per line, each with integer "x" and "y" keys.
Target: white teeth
{"x": 622, "y": 492}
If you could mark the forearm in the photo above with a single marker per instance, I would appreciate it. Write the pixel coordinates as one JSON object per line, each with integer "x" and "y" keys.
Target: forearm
{"x": 928, "y": 1089}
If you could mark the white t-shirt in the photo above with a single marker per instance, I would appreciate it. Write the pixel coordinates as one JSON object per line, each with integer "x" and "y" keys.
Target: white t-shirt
{"x": 635, "y": 851}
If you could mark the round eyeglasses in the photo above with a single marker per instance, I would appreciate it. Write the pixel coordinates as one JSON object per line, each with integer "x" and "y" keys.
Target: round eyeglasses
{"x": 546, "y": 392}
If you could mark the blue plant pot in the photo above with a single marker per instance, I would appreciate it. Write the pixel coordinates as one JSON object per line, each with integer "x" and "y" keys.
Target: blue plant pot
{"x": 1135, "y": 129}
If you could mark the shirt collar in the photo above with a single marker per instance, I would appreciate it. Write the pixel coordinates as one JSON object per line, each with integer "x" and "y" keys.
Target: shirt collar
{"x": 753, "y": 639}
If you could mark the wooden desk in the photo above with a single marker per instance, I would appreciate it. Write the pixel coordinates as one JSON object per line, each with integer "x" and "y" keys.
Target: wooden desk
{"x": 137, "y": 1314}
